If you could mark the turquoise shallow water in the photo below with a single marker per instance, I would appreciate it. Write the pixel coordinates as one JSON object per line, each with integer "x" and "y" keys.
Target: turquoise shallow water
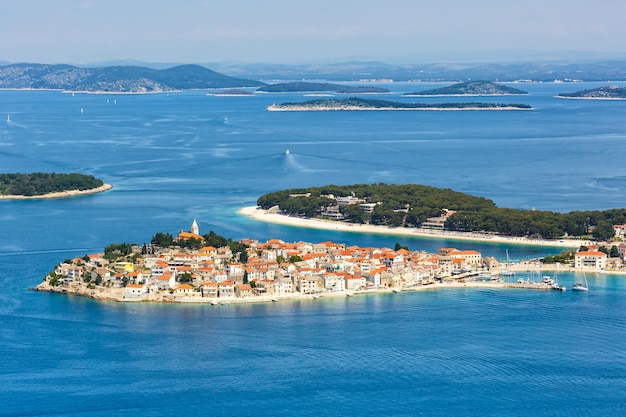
{"x": 176, "y": 157}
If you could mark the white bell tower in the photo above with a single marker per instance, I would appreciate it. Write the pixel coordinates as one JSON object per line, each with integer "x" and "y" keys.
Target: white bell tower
{"x": 194, "y": 228}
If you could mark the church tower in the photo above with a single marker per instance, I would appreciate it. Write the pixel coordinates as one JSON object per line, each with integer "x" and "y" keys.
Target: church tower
{"x": 194, "y": 228}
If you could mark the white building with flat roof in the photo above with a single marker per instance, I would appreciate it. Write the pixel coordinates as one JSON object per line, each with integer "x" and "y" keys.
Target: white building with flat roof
{"x": 591, "y": 260}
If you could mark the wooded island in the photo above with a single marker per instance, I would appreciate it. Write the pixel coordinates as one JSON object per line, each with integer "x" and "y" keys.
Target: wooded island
{"x": 421, "y": 206}
{"x": 42, "y": 183}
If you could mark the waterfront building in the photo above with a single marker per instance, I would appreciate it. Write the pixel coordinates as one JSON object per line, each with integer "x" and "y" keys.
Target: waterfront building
{"x": 183, "y": 290}
{"x": 134, "y": 291}
{"x": 471, "y": 257}
{"x": 209, "y": 289}
{"x": 226, "y": 289}
{"x": 165, "y": 282}
{"x": 591, "y": 260}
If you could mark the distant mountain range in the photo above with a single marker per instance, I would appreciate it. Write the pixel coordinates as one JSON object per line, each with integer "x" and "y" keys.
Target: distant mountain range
{"x": 447, "y": 71}
{"x": 122, "y": 79}
{"x": 156, "y": 78}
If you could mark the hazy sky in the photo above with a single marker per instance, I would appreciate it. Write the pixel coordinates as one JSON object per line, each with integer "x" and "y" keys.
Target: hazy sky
{"x": 288, "y": 31}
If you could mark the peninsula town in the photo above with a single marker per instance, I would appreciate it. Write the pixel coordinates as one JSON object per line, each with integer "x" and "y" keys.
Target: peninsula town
{"x": 187, "y": 270}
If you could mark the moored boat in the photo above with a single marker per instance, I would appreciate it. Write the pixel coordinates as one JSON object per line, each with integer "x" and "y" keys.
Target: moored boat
{"x": 580, "y": 286}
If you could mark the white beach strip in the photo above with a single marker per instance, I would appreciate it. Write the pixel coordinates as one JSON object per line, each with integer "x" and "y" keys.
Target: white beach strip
{"x": 62, "y": 194}
{"x": 263, "y": 215}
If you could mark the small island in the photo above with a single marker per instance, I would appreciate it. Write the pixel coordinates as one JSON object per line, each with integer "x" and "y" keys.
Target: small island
{"x": 471, "y": 88}
{"x": 17, "y": 186}
{"x": 229, "y": 92}
{"x": 355, "y": 103}
{"x": 194, "y": 268}
{"x": 612, "y": 92}
{"x": 308, "y": 87}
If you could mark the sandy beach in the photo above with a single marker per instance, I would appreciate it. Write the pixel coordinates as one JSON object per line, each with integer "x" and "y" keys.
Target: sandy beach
{"x": 62, "y": 194}
{"x": 262, "y": 215}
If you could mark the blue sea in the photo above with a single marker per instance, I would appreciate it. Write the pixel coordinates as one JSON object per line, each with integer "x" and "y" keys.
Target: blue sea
{"x": 176, "y": 157}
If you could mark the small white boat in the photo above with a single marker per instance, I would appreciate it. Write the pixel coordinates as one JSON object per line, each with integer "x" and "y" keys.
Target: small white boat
{"x": 8, "y": 118}
{"x": 580, "y": 286}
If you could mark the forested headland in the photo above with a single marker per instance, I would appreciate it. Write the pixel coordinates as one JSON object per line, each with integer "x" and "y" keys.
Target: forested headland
{"x": 40, "y": 183}
{"x": 412, "y": 205}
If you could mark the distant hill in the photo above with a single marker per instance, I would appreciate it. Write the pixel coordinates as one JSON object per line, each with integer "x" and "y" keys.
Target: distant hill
{"x": 612, "y": 92}
{"x": 122, "y": 79}
{"x": 471, "y": 88}
{"x": 304, "y": 87}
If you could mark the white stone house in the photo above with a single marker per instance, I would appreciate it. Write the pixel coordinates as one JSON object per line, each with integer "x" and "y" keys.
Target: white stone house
{"x": 134, "y": 291}
{"x": 590, "y": 260}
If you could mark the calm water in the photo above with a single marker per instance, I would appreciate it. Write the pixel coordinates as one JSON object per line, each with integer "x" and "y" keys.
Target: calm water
{"x": 181, "y": 156}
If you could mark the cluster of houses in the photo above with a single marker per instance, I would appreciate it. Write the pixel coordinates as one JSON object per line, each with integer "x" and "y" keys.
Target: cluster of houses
{"x": 273, "y": 268}
{"x": 279, "y": 269}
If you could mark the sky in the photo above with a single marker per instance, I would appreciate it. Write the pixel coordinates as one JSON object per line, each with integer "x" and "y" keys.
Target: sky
{"x": 308, "y": 31}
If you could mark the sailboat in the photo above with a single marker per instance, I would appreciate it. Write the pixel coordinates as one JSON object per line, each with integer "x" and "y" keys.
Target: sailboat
{"x": 579, "y": 286}
{"x": 555, "y": 284}
{"x": 9, "y": 118}
{"x": 507, "y": 272}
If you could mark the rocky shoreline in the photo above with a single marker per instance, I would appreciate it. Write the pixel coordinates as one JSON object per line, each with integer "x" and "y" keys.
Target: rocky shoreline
{"x": 117, "y": 294}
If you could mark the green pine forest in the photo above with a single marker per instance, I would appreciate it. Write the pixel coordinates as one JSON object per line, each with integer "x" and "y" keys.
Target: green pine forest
{"x": 40, "y": 183}
{"x": 473, "y": 214}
